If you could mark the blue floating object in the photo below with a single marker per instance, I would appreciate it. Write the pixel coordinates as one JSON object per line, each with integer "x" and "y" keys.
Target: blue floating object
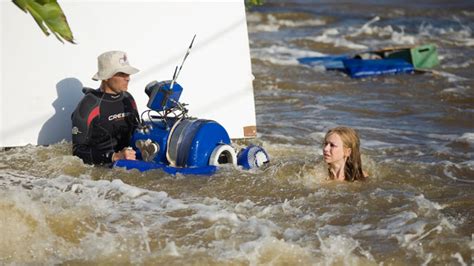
{"x": 252, "y": 157}
{"x": 333, "y": 62}
{"x": 359, "y": 68}
{"x": 146, "y": 166}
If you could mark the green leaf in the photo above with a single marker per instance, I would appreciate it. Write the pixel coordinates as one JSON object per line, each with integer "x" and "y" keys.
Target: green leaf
{"x": 251, "y": 3}
{"x": 49, "y": 16}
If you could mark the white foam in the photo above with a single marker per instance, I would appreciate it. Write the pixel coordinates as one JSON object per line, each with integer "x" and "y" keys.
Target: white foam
{"x": 427, "y": 259}
{"x": 170, "y": 250}
{"x": 445, "y": 137}
{"x": 272, "y": 251}
{"x": 400, "y": 220}
{"x": 282, "y": 55}
{"x": 458, "y": 37}
{"x": 318, "y": 136}
{"x": 127, "y": 190}
{"x": 331, "y": 36}
{"x": 272, "y": 24}
{"x": 374, "y": 144}
{"x": 281, "y": 137}
{"x": 459, "y": 258}
{"x": 471, "y": 243}
{"x": 338, "y": 36}
{"x": 213, "y": 213}
{"x": 426, "y": 204}
{"x": 467, "y": 137}
{"x": 402, "y": 38}
{"x": 412, "y": 241}
{"x": 293, "y": 234}
{"x": 449, "y": 167}
{"x": 254, "y": 17}
{"x": 449, "y": 76}
{"x": 341, "y": 248}
{"x": 264, "y": 28}
{"x": 365, "y": 28}
{"x": 24, "y": 223}
{"x": 244, "y": 206}
{"x": 465, "y": 64}
{"x": 302, "y": 23}
{"x": 396, "y": 37}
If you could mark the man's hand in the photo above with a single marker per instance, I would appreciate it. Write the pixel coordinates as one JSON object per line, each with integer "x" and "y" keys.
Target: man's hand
{"x": 126, "y": 153}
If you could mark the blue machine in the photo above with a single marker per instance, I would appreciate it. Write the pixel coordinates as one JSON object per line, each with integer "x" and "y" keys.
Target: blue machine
{"x": 175, "y": 143}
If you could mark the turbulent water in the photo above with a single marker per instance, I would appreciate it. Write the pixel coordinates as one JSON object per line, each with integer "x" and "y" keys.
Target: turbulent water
{"x": 417, "y": 135}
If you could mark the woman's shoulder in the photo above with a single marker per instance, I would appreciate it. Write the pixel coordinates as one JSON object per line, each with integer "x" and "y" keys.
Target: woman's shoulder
{"x": 365, "y": 174}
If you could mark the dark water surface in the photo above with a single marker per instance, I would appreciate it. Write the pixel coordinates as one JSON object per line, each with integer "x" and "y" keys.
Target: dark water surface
{"x": 417, "y": 134}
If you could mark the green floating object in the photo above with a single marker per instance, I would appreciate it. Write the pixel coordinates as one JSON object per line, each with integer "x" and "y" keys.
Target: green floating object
{"x": 421, "y": 57}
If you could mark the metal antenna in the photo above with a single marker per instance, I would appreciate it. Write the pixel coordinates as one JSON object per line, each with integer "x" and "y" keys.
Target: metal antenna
{"x": 174, "y": 78}
{"x": 176, "y": 70}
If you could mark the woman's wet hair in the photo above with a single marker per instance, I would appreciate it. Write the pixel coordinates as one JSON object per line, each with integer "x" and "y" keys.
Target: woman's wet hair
{"x": 350, "y": 139}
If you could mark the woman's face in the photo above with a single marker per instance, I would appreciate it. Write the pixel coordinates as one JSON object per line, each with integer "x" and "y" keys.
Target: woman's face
{"x": 333, "y": 149}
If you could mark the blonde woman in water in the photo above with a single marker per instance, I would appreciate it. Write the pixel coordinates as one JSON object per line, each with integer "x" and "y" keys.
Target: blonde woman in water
{"x": 341, "y": 151}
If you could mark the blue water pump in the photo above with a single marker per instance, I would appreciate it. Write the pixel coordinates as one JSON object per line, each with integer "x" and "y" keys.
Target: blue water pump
{"x": 170, "y": 140}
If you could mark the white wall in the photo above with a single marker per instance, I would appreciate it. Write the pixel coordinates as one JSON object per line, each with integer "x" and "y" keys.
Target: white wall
{"x": 41, "y": 79}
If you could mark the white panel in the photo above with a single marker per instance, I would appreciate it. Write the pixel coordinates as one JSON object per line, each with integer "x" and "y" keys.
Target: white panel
{"x": 41, "y": 78}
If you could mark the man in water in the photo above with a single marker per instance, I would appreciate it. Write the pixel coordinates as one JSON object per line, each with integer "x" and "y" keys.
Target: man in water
{"x": 104, "y": 120}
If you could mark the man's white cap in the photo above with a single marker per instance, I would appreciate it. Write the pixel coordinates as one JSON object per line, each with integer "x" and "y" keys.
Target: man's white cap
{"x": 111, "y": 63}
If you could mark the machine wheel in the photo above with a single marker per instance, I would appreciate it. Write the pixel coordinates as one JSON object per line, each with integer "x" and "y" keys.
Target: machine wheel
{"x": 223, "y": 154}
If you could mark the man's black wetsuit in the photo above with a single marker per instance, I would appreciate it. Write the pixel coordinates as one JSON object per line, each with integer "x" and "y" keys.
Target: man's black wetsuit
{"x": 103, "y": 124}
